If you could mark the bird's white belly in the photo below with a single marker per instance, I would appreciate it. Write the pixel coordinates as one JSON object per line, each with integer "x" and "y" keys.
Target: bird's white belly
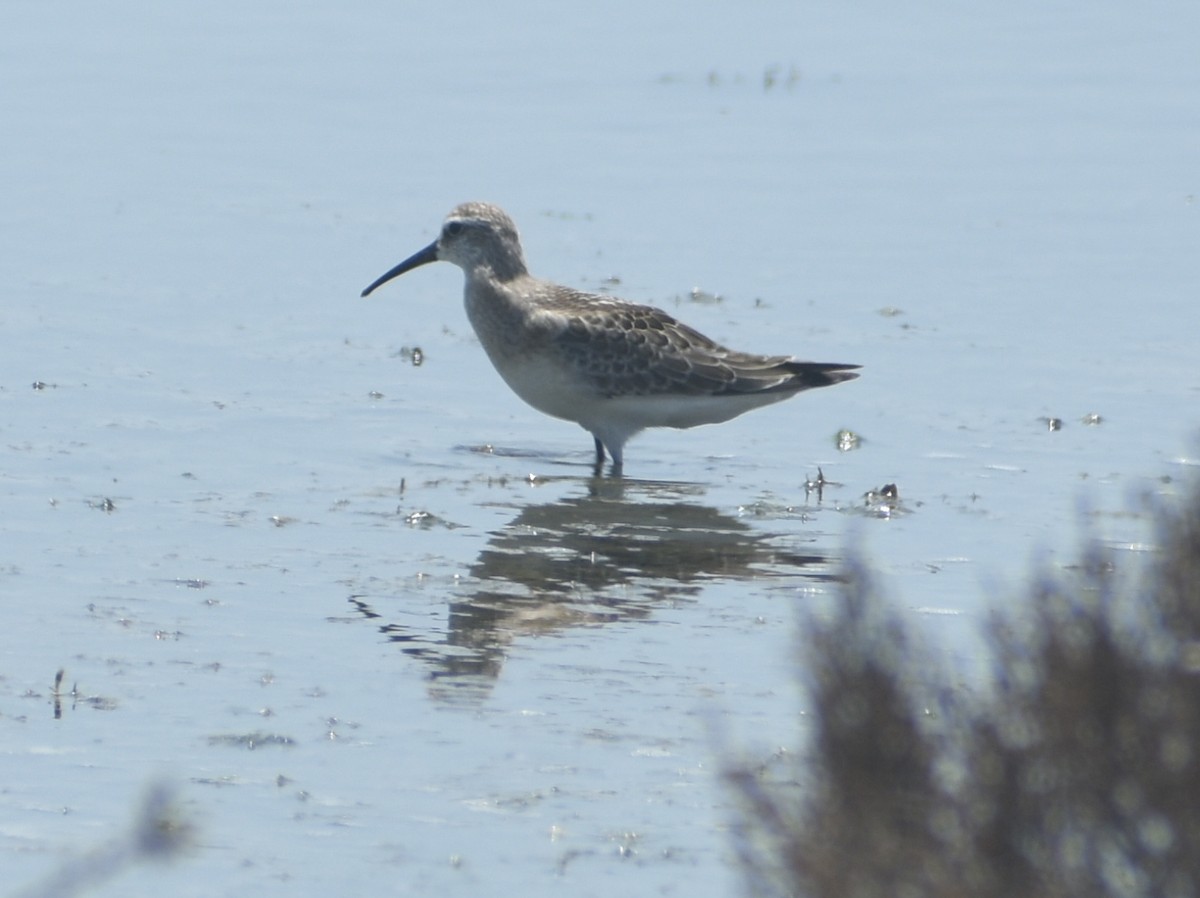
{"x": 554, "y": 391}
{"x": 548, "y": 388}
{"x": 680, "y": 411}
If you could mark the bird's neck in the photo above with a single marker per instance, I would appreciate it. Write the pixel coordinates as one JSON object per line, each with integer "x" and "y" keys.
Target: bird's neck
{"x": 499, "y": 269}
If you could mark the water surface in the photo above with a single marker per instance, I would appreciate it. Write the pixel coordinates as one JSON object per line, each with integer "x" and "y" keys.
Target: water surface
{"x": 267, "y": 549}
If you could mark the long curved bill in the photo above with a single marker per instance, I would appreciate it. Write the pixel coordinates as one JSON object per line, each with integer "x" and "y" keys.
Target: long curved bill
{"x": 424, "y": 257}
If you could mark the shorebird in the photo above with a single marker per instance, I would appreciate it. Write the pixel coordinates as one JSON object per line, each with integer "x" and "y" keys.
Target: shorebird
{"x": 613, "y": 367}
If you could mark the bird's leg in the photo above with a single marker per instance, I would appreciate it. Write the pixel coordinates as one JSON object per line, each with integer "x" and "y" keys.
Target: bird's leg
{"x": 618, "y": 457}
{"x": 598, "y": 464}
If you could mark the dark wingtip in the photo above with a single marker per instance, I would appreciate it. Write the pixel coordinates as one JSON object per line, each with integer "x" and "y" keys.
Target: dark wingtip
{"x": 823, "y": 374}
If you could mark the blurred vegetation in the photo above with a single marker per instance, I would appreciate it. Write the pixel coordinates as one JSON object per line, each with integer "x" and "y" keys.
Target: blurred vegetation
{"x": 158, "y": 832}
{"x": 1077, "y": 774}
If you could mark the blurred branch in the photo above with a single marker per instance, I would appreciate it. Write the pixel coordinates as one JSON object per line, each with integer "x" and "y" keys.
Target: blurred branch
{"x": 1078, "y": 776}
{"x": 157, "y": 833}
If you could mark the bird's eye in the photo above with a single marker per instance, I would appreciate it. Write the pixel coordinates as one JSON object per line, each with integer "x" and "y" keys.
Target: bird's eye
{"x": 452, "y": 228}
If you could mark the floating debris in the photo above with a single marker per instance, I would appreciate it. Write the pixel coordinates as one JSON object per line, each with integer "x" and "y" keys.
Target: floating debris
{"x": 889, "y": 492}
{"x": 818, "y": 485}
{"x": 882, "y": 501}
{"x": 251, "y": 741}
{"x": 420, "y": 519}
{"x": 57, "y": 693}
{"x": 95, "y": 702}
{"x": 98, "y": 702}
{"x": 703, "y": 297}
{"x": 847, "y": 440}
{"x": 412, "y": 354}
{"x": 774, "y": 75}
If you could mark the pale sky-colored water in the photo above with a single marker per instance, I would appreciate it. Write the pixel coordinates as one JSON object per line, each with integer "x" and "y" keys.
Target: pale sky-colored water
{"x": 527, "y": 681}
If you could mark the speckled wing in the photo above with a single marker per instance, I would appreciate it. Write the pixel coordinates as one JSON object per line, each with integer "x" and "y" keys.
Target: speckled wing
{"x": 624, "y": 349}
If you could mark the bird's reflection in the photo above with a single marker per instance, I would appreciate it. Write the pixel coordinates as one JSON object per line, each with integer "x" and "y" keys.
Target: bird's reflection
{"x": 613, "y": 553}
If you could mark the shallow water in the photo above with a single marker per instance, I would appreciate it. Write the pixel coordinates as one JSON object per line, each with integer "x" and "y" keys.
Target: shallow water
{"x": 374, "y": 620}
